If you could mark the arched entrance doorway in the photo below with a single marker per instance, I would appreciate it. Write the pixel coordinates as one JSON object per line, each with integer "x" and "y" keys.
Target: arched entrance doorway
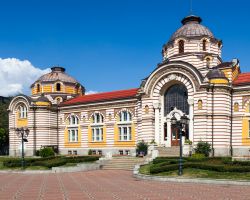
{"x": 175, "y": 102}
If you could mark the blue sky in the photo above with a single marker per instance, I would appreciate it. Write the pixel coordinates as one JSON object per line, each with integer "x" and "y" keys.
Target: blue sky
{"x": 113, "y": 44}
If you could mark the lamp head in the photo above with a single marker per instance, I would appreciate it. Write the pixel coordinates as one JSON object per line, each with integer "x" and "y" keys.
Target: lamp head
{"x": 174, "y": 120}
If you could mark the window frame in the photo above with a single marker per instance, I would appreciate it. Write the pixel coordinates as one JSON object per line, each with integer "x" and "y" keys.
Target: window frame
{"x": 23, "y": 112}
{"x": 60, "y": 87}
{"x": 204, "y": 45}
{"x": 125, "y": 136}
{"x": 97, "y": 133}
{"x": 73, "y": 127}
{"x": 97, "y": 127}
{"x": 181, "y": 46}
{"x": 70, "y": 134}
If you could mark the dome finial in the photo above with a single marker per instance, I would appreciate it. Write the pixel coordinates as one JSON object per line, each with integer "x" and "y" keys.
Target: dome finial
{"x": 191, "y": 7}
{"x": 191, "y": 19}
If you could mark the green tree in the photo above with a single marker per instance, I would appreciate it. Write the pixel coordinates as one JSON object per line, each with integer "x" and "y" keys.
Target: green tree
{"x": 4, "y": 124}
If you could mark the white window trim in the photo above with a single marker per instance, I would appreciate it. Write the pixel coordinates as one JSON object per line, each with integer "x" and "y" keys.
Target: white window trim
{"x": 22, "y": 112}
{"x": 94, "y": 117}
{"x": 70, "y": 133}
{"x": 94, "y": 133}
{"x": 121, "y": 133}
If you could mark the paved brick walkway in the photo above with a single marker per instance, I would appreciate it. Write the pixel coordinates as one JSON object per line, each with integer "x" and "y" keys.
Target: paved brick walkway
{"x": 107, "y": 185}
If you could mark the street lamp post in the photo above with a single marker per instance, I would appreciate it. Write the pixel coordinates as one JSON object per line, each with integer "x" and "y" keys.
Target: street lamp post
{"x": 23, "y": 133}
{"x": 181, "y": 125}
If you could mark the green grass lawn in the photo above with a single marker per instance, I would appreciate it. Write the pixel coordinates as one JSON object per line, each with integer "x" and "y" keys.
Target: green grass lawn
{"x": 198, "y": 173}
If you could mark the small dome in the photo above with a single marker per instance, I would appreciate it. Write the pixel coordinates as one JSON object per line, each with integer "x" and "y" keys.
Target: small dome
{"x": 57, "y": 74}
{"x": 215, "y": 73}
{"x": 192, "y": 28}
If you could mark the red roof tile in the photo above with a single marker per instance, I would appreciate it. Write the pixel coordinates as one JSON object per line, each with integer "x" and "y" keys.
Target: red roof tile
{"x": 101, "y": 97}
{"x": 242, "y": 79}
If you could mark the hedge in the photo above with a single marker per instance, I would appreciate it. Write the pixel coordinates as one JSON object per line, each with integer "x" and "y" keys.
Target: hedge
{"x": 48, "y": 161}
{"x": 219, "y": 168}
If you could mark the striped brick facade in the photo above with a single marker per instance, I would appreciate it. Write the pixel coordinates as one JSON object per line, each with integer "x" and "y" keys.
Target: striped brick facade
{"x": 217, "y": 98}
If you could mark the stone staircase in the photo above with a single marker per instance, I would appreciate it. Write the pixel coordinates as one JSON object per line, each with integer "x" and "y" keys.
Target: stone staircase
{"x": 169, "y": 151}
{"x": 122, "y": 163}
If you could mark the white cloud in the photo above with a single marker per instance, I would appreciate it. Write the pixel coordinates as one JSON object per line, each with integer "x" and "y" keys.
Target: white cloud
{"x": 16, "y": 76}
{"x": 91, "y": 92}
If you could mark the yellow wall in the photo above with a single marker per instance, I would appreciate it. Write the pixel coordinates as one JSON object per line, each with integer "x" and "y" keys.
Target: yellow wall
{"x": 245, "y": 128}
{"x": 72, "y": 144}
{"x": 235, "y": 73}
{"x": 227, "y": 72}
{"x": 96, "y": 144}
{"x": 70, "y": 90}
{"x": 21, "y": 122}
{"x": 118, "y": 143}
{"x": 33, "y": 90}
{"x": 245, "y": 131}
{"x": 219, "y": 81}
{"x": 47, "y": 88}
{"x": 40, "y": 103}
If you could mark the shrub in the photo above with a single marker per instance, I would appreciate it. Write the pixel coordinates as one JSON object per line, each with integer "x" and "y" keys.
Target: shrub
{"x": 198, "y": 156}
{"x": 79, "y": 159}
{"x": 203, "y": 148}
{"x": 187, "y": 141}
{"x": 47, "y": 152}
{"x": 90, "y": 152}
{"x": 56, "y": 162}
{"x": 142, "y": 147}
{"x": 37, "y": 153}
{"x": 166, "y": 168}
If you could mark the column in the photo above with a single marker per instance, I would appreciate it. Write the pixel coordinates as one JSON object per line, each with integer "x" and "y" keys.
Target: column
{"x": 191, "y": 118}
{"x": 157, "y": 122}
{"x": 169, "y": 132}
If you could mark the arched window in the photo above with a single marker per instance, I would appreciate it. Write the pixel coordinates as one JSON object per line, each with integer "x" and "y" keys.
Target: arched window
{"x": 125, "y": 116}
{"x": 236, "y": 107}
{"x": 22, "y": 109}
{"x": 97, "y": 118}
{"x": 204, "y": 45}
{"x": 146, "y": 109}
{"x": 200, "y": 104}
{"x": 58, "y": 87}
{"x": 181, "y": 46}
{"x": 176, "y": 96}
{"x": 97, "y": 127}
{"x": 125, "y": 126}
{"x": 38, "y": 88}
{"x": 73, "y": 128}
{"x": 208, "y": 60}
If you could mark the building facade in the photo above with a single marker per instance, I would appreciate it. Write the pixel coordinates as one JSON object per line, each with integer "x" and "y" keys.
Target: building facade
{"x": 192, "y": 79}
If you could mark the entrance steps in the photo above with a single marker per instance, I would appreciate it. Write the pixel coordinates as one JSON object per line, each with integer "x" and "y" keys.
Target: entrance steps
{"x": 122, "y": 163}
{"x": 169, "y": 151}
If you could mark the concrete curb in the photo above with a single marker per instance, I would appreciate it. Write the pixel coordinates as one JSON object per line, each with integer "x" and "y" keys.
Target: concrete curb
{"x": 136, "y": 174}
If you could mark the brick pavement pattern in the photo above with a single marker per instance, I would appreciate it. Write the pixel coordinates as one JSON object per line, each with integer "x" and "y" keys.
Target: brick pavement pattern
{"x": 108, "y": 185}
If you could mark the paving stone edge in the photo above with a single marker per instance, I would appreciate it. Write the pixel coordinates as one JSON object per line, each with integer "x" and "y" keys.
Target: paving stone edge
{"x": 138, "y": 175}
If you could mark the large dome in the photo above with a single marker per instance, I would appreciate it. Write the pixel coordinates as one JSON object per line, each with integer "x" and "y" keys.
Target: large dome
{"x": 57, "y": 74}
{"x": 192, "y": 28}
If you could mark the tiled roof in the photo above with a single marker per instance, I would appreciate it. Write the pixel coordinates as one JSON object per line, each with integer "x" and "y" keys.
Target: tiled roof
{"x": 102, "y": 97}
{"x": 192, "y": 28}
{"x": 242, "y": 79}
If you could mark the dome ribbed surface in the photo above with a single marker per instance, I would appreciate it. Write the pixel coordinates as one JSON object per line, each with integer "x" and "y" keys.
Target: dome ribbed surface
{"x": 192, "y": 28}
{"x": 57, "y": 74}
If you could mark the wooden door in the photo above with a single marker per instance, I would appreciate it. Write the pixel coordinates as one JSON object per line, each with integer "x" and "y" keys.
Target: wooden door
{"x": 175, "y": 136}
